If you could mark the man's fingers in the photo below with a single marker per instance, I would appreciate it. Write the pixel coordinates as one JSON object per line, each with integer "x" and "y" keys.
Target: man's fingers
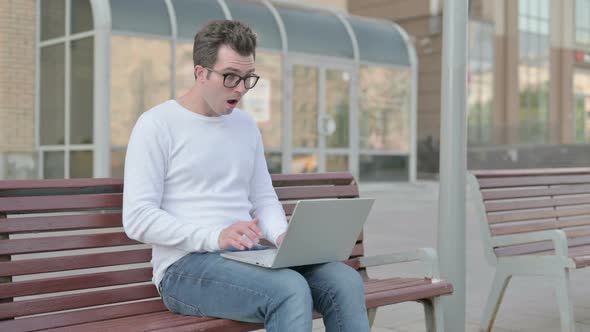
{"x": 243, "y": 241}
{"x": 236, "y": 244}
{"x": 253, "y": 225}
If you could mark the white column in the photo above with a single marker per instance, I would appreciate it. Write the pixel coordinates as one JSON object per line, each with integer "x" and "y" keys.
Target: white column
{"x": 453, "y": 164}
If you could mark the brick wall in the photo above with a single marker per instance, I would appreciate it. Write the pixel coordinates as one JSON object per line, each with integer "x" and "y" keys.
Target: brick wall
{"x": 17, "y": 87}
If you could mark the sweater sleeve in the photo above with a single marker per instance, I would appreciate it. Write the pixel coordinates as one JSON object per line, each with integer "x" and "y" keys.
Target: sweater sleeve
{"x": 264, "y": 199}
{"x": 146, "y": 163}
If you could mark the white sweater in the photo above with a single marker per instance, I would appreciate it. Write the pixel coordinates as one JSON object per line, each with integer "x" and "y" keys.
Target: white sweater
{"x": 188, "y": 176}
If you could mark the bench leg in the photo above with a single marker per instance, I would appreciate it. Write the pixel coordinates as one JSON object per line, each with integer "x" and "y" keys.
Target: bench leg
{"x": 433, "y": 314}
{"x": 371, "y": 313}
{"x": 564, "y": 302}
{"x": 501, "y": 280}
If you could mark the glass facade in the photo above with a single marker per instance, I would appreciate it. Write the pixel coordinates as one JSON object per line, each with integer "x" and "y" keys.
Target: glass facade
{"x": 533, "y": 71}
{"x": 307, "y": 112}
{"x": 384, "y": 109}
{"x": 582, "y": 21}
{"x": 66, "y": 89}
{"x": 582, "y": 105}
{"x": 480, "y": 91}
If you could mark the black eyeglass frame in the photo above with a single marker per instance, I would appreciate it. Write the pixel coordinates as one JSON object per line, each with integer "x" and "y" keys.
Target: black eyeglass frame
{"x": 240, "y": 79}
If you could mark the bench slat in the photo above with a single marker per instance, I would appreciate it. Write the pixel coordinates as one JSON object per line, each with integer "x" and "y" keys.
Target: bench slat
{"x": 522, "y": 181}
{"x": 501, "y": 229}
{"x": 535, "y": 192}
{"x": 357, "y": 250}
{"x": 486, "y": 173}
{"x": 38, "y": 204}
{"x": 408, "y": 294}
{"x": 60, "y": 183}
{"x": 289, "y": 207}
{"x": 74, "y": 262}
{"x": 70, "y": 283}
{"x": 497, "y": 218}
{"x": 149, "y": 322}
{"x": 295, "y": 193}
{"x": 401, "y": 290}
{"x": 537, "y": 247}
{"x": 70, "y": 242}
{"x": 60, "y": 223}
{"x": 66, "y": 302}
{"x": 536, "y": 203}
{"x": 82, "y": 316}
{"x": 309, "y": 179}
{"x": 580, "y": 254}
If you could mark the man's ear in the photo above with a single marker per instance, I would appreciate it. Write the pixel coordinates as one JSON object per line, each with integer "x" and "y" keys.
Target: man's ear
{"x": 199, "y": 72}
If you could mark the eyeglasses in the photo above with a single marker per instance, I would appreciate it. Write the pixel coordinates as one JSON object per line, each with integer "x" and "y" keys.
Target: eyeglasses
{"x": 232, "y": 80}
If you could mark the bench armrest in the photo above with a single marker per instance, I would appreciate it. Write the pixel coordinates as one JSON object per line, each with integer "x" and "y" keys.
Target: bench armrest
{"x": 427, "y": 256}
{"x": 556, "y": 235}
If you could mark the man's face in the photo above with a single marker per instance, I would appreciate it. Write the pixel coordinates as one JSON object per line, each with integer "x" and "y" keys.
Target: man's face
{"x": 221, "y": 100}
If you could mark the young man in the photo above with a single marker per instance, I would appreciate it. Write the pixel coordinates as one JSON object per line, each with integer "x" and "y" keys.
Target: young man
{"x": 196, "y": 184}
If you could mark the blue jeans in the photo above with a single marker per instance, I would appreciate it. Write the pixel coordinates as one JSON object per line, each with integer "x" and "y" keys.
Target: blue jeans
{"x": 206, "y": 284}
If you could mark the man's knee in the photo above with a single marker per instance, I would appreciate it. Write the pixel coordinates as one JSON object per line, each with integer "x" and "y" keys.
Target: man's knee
{"x": 293, "y": 288}
{"x": 345, "y": 279}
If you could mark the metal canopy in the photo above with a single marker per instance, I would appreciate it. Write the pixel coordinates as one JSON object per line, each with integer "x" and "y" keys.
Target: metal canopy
{"x": 281, "y": 25}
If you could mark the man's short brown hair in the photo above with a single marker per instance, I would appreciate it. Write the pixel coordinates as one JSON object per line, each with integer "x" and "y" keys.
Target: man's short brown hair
{"x": 239, "y": 36}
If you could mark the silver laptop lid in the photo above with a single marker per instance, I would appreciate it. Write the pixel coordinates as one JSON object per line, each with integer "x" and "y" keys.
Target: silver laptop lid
{"x": 323, "y": 230}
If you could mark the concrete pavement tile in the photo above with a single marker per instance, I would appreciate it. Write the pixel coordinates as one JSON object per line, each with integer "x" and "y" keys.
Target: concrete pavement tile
{"x": 396, "y": 315}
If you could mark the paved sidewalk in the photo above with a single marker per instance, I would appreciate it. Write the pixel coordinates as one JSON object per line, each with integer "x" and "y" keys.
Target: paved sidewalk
{"x": 405, "y": 217}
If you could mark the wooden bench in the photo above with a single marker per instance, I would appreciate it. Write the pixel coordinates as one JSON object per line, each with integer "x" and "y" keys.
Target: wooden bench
{"x": 67, "y": 264}
{"x": 534, "y": 222}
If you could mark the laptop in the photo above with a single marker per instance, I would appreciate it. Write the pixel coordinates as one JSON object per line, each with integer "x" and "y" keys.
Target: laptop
{"x": 320, "y": 231}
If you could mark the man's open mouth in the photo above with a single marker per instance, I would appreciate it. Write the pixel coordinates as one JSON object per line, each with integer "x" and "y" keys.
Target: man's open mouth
{"x": 232, "y": 102}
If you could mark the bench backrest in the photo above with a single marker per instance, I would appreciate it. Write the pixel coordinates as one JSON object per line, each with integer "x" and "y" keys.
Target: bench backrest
{"x": 58, "y": 237}
{"x": 529, "y": 200}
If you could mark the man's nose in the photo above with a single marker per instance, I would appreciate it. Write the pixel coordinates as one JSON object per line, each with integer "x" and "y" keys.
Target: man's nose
{"x": 241, "y": 88}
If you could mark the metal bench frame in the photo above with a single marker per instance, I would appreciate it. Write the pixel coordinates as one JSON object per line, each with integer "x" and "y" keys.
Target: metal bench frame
{"x": 525, "y": 216}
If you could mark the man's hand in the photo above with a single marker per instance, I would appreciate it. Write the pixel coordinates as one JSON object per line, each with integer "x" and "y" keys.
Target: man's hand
{"x": 240, "y": 235}
{"x": 280, "y": 239}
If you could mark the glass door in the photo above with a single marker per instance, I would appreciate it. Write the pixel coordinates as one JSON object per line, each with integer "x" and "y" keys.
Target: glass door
{"x": 582, "y": 106}
{"x": 320, "y": 110}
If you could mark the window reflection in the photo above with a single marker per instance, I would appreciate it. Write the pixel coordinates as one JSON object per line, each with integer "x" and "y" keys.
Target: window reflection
{"x": 384, "y": 109}
{"x": 274, "y": 162}
{"x": 383, "y": 168}
{"x": 582, "y": 33}
{"x": 81, "y": 164}
{"x": 336, "y": 163}
{"x": 305, "y": 107}
{"x": 53, "y": 15}
{"x": 53, "y": 165}
{"x": 140, "y": 79}
{"x": 81, "y": 18}
{"x": 582, "y": 105}
{"x": 304, "y": 163}
{"x": 81, "y": 96}
{"x": 338, "y": 107}
{"x": 533, "y": 71}
{"x": 52, "y": 94}
{"x": 481, "y": 84}
{"x": 264, "y": 101}
{"x": 118, "y": 162}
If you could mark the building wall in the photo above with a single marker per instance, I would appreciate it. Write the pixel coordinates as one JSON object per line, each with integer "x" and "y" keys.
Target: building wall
{"x": 17, "y": 88}
{"x": 339, "y": 4}
{"x": 422, "y": 19}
